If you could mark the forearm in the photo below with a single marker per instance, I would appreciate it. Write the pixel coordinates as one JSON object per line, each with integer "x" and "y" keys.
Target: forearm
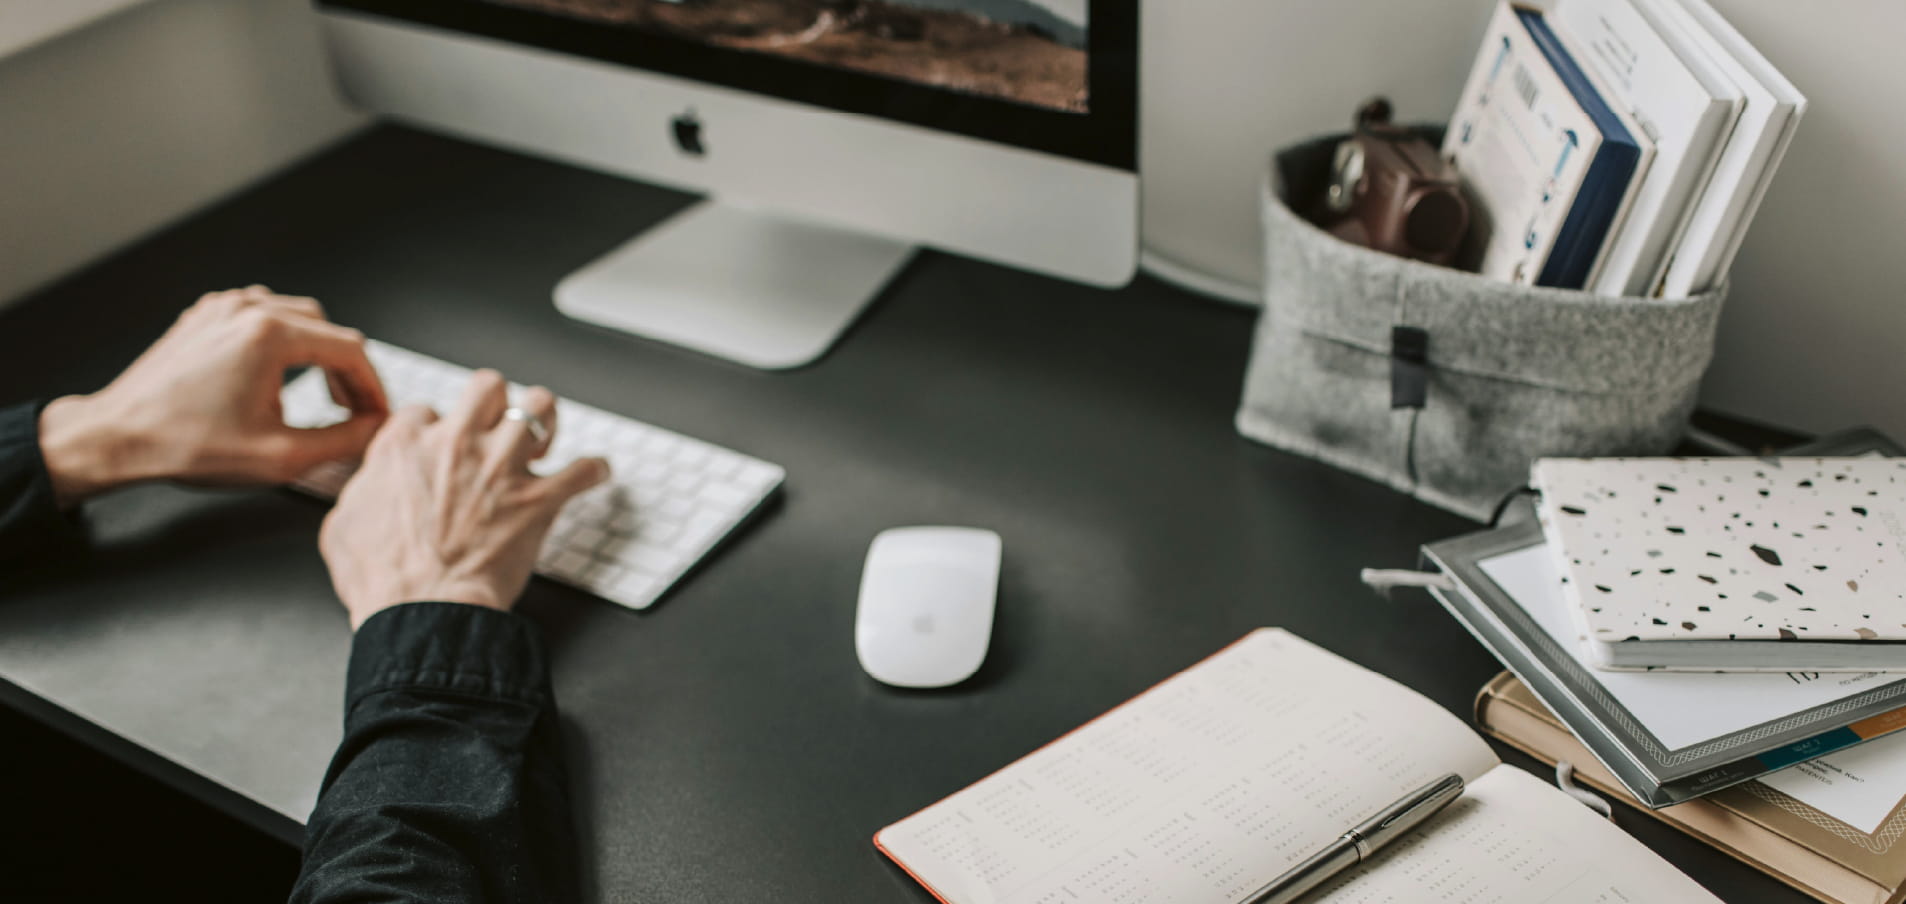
{"x": 32, "y": 525}
{"x": 448, "y": 785}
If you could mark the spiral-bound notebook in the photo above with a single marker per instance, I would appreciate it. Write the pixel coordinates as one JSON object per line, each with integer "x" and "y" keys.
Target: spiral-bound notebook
{"x": 1214, "y": 782}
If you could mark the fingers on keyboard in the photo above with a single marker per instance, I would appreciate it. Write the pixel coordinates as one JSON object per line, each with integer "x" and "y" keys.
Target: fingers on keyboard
{"x": 669, "y": 500}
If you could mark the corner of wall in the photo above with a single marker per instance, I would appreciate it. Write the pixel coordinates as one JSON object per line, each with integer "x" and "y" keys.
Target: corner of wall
{"x": 125, "y": 126}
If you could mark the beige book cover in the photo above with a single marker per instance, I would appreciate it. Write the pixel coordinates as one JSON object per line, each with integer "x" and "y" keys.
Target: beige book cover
{"x": 1777, "y": 833}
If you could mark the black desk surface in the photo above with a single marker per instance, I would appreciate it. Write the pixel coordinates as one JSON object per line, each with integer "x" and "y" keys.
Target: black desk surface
{"x": 724, "y": 745}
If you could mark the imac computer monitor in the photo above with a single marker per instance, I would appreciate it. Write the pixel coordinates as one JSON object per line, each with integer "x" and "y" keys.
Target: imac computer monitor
{"x": 830, "y": 137}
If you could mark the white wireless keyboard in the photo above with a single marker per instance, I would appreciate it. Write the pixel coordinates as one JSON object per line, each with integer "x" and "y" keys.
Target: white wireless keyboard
{"x": 670, "y": 501}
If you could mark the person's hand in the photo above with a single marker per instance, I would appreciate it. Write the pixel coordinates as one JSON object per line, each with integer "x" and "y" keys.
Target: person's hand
{"x": 201, "y": 405}
{"x": 447, "y": 510}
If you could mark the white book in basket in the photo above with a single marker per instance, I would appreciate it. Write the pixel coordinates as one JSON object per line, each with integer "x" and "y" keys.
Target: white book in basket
{"x": 1523, "y": 146}
{"x": 1644, "y": 64}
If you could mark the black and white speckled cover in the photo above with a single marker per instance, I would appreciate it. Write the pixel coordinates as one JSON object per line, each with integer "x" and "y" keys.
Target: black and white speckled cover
{"x": 1729, "y": 549}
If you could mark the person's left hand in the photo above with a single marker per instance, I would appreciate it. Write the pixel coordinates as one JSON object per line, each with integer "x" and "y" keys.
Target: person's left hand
{"x": 202, "y": 404}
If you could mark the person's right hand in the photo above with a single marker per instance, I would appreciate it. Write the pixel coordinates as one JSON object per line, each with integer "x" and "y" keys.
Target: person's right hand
{"x": 447, "y": 510}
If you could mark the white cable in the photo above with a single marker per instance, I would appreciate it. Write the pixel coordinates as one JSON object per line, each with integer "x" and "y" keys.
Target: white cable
{"x": 1714, "y": 443}
{"x": 1565, "y": 780}
{"x": 1386, "y": 578}
{"x": 1193, "y": 279}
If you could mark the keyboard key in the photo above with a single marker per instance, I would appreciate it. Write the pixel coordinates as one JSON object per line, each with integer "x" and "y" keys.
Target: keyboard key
{"x": 570, "y": 560}
{"x": 683, "y": 484}
{"x": 726, "y": 494}
{"x": 660, "y": 532}
{"x": 689, "y": 454}
{"x": 586, "y": 536}
{"x": 652, "y": 560}
{"x": 606, "y": 573}
{"x": 722, "y": 466}
{"x": 636, "y": 585}
{"x": 758, "y": 476}
{"x": 703, "y": 529}
{"x": 673, "y": 508}
{"x": 659, "y": 446}
{"x": 649, "y": 473}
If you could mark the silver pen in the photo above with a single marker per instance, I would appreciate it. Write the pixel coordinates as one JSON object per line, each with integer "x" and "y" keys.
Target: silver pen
{"x": 1359, "y": 843}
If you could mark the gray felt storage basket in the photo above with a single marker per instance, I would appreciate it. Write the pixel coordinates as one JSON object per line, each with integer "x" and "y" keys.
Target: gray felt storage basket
{"x": 1512, "y": 373}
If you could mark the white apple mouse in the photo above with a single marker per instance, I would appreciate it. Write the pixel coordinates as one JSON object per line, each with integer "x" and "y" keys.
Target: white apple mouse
{"x": 926, "y": 604}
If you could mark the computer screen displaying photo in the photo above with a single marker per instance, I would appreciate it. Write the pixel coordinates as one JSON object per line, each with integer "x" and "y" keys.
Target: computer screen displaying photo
{"x": 1053, "y": 76}
{"x": 1034, "y": 52}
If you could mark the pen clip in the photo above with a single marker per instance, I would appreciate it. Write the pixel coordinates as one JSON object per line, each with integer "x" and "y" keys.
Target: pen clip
{"x": 1405, "y": 814}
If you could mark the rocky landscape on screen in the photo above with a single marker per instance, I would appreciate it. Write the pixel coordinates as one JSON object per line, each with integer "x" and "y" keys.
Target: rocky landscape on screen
{"x": 1030, "y": 51}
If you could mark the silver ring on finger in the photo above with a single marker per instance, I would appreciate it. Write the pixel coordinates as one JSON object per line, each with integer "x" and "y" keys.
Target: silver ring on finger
{"x": 538, "y": 430}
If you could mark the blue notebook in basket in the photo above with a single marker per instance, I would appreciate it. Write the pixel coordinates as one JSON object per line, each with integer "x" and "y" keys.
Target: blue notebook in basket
{"x": 1599, "y": 199}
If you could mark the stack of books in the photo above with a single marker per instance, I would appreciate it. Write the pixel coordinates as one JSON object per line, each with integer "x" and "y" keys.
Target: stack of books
{"x": 1617, "y": 146}
{"x": 1719, "y": 641}
{"x": 1830, "y": 828}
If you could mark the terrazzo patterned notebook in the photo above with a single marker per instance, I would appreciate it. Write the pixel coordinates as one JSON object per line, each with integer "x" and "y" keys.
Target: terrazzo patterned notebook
{"x": 1732, "y": 564}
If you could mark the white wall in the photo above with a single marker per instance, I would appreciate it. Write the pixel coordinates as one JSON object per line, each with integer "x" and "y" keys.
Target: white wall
{"x": 24, "y": 23}
{"x": 116, "y": 130}
{"x": 119, "y": 128}
{"x": 1815, "y": 332}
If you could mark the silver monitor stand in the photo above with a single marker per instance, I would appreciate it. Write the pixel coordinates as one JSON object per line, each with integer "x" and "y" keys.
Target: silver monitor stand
{"x": 746, "y": 285}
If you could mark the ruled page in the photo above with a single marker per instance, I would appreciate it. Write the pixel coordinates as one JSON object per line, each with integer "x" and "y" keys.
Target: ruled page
{"x": 1514, "y": 839}
{"x": 1198, "y": 790}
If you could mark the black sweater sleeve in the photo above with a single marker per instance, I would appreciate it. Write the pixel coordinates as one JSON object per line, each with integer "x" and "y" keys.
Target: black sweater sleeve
{"x": 32, "y": 527}
{"x": 449, "y": 784}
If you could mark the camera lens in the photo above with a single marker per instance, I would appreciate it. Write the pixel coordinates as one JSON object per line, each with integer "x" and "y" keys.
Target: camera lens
{"x": 1437, "y": 220}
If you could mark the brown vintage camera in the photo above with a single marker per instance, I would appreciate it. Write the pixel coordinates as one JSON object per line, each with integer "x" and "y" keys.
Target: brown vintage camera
{"x": 1390, "y": 191}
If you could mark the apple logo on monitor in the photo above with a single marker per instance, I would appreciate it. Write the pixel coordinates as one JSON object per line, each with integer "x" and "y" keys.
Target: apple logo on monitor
{"x": 688, "y": 133}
